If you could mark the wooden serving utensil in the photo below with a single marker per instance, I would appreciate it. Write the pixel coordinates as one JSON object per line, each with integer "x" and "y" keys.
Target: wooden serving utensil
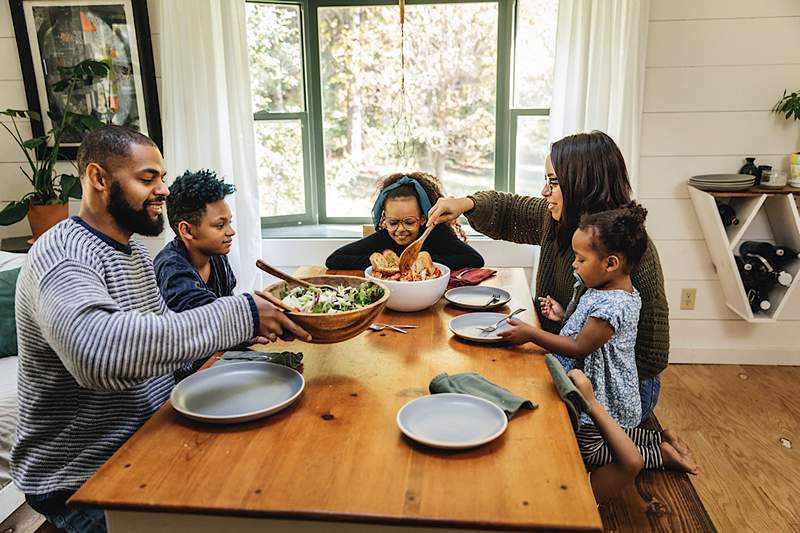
{"x": 276, "y": 301}
{"x": 269, "y": 269}
{"x": 411, "y": 252}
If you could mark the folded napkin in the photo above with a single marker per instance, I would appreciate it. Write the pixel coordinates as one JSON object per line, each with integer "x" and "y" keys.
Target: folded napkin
{"x": 572, "y": 397}
{"x": 290, "y": 359}
{"x": 476, "y": 385}
{"x": 473, "y": 276}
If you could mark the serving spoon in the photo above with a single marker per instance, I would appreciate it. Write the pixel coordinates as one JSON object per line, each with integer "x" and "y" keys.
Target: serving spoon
{"x": 411, "y": 252}
{"x": 269, "y": 269}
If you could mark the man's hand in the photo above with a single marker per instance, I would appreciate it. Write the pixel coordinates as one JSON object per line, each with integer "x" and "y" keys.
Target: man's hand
{"x": 275, "y": 324}
{"x": 551, "y": 309}
{"x": 519, "y": 332}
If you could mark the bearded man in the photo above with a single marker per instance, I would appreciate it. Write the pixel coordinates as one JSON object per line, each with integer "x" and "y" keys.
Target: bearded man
{"x": 97, "y": 344}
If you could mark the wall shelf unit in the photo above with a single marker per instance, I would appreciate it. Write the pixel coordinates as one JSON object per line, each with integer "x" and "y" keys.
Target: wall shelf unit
{"x": 764, "y": 215}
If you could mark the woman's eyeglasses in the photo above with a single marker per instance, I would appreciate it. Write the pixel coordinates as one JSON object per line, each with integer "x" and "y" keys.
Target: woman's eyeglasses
{"x": 409, "y": 223}
{"x": 550, "y": 182}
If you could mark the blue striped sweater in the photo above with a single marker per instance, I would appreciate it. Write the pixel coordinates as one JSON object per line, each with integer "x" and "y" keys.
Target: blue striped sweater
{"x": 97, "y": 349}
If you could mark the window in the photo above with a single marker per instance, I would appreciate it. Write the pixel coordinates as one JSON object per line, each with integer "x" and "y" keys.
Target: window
{"x": 331, "y": 115}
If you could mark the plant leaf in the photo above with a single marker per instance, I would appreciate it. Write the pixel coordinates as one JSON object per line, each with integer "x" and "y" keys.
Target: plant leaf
{"x": 61, "y": 86}
{"x": 70, "y": 187}
{"x": 13, "y": 212}
{"x": 89, "y": 122}
{"x": 30, "y": 144}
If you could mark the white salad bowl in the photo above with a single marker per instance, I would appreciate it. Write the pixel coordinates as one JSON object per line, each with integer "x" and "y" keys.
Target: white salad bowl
{"x": 410, "y": 296}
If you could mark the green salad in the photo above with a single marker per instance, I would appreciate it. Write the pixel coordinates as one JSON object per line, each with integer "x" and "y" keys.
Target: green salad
{"x": 327, "y": 301}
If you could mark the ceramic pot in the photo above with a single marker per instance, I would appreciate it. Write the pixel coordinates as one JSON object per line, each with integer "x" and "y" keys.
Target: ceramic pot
{"x": 43, "y": 217}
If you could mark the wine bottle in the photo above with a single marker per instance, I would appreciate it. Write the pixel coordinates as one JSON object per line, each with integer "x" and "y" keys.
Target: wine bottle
{"x": 786, "y": 253}
{"x": 764, "y": 249}
{"x": 728, "y": 215}
{"x": 777, "y": 256}
{"x": 758, "y": 301}
{"x": 761, "y": 273}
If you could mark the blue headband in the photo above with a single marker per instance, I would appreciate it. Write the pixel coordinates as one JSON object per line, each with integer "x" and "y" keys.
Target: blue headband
{"x": 422, "y": 198}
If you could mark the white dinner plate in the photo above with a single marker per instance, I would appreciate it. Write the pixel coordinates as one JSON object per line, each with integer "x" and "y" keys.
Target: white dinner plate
{"x": 467, "y": 326}
{"x": 237, "y": 392}
{"x": 451, "y": 421}
{"x": 477, "y": 297}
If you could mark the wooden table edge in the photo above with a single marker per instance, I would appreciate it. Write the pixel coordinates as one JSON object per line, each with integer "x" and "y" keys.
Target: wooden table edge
{"x": 332, "y": 517}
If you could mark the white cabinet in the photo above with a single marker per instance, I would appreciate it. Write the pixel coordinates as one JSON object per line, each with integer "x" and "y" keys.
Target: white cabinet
{"x": 763, "y": 216}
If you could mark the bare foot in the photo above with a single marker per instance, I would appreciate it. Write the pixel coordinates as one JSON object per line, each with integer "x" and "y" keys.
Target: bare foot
{"x": 671, "y": 437}
{"x": 674, "y": 460}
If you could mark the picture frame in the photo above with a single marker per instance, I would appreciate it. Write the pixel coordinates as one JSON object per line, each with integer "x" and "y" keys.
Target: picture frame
{"x": 61, "y": 33}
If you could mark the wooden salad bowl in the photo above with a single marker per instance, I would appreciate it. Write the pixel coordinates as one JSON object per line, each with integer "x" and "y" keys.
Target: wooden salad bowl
{"x": 338, "y": 327}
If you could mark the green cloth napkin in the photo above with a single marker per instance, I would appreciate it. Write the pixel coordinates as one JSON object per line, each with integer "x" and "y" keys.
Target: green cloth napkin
{"x": 8, "y": 324}
{"x": 477, "y": 385}
{"x": 572, "y": 397}
{"x": 290, "y": 359}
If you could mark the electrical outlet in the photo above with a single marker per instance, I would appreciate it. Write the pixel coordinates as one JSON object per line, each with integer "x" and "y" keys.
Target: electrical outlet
{"x": 687, "y": 299}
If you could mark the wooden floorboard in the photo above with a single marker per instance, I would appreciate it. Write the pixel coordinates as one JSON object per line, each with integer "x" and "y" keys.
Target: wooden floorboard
{"x": 743, "y": 425}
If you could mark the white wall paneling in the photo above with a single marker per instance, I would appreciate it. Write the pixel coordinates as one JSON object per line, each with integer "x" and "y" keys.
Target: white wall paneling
{"x": 714, "y": 70}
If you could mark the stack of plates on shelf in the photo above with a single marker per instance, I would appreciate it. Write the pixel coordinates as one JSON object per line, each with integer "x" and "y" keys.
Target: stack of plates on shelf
{"x": 722, "y": 182}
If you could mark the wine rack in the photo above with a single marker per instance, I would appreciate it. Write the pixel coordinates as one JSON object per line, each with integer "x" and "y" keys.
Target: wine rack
{"x": 767, "y": 217}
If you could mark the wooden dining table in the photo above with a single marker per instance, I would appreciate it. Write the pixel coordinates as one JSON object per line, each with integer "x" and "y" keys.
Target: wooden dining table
{"x": 335, "y": 460}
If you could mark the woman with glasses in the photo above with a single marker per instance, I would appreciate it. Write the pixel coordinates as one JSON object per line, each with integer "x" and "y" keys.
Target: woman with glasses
{"x": 399, "y": 218}
{"x": 584, "y": 173}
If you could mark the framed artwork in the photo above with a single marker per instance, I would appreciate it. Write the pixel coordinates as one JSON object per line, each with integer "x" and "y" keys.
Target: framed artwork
{"x": 61, "y": 33}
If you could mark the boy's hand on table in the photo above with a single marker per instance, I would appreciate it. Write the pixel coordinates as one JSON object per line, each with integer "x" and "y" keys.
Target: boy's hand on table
{"x": 275, "y": 324}
{"x": 551, "y": 309}
{"x": 519, "y": 332}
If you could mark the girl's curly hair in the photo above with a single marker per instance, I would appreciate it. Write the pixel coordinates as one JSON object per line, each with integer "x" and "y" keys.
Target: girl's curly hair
{"x": 619, "y": 231}
{"x": 430, "y": 184}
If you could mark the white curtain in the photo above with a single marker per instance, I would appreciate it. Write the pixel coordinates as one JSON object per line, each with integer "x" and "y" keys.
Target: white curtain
{"x": 599, "y": 72}
{"x": 206, "y": 108}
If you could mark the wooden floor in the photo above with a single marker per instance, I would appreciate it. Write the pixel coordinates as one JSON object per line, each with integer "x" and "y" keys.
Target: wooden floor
{"x": 743, "y": 424}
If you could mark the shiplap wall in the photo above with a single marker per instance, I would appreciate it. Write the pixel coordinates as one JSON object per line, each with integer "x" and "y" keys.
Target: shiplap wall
{"x": 13, "y": 184}
{"x": 714, "y": 70}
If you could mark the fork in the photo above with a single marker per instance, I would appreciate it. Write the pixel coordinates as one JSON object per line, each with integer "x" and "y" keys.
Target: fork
{"x": 464, "y": 272}
{"x": 381, "y": 327}
{"x": 489, "y": 329}
{"x": 495, "y": 297}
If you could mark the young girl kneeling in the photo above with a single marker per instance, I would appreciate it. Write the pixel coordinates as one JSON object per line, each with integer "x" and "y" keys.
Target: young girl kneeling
{"x": 599, "y": 334}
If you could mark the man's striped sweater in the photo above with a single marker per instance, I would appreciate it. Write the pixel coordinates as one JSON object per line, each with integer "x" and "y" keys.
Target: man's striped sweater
{"x": 97, "y": 349}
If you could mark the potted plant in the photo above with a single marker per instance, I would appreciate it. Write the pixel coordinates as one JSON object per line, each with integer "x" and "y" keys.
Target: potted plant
{"x": 46, "y": 204}
{"x": 789, "y": 107}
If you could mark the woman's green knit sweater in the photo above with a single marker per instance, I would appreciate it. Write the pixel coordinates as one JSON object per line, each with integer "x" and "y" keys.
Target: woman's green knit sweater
{"x": 525, "y": 219}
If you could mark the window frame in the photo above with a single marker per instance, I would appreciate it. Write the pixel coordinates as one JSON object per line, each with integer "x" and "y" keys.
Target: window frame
{"x": 506, "y": 115}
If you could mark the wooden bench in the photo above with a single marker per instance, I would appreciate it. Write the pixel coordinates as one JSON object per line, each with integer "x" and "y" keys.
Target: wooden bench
{"x": 662, "y": 500}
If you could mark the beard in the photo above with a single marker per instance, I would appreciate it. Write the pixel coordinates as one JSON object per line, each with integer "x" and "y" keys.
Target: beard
{"x": 130, "y": 218}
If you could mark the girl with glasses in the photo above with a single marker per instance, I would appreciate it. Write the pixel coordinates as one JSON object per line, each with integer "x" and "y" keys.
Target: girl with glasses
{"x": 399, "y": 215}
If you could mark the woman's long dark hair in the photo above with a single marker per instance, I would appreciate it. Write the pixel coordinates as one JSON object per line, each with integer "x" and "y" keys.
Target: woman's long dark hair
{"x": 592, "y": 176}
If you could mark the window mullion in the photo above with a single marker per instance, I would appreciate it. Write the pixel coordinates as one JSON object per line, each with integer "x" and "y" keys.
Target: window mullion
{"x": 505, "y": 27}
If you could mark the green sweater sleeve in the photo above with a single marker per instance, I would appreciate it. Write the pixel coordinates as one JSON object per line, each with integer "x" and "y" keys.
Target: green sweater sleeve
{"x": 652, "y": 341}
{"x": 510, "y": 217}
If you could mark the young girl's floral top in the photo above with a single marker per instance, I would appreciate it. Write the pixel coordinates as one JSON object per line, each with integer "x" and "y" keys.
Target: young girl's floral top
{"x": 612, "y": 368}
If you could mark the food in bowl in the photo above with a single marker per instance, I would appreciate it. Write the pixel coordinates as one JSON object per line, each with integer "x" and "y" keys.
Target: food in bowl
{"x": 328, "y": 301}
{"x": 406, "y": 296}
{"x": 386, "y": 266}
